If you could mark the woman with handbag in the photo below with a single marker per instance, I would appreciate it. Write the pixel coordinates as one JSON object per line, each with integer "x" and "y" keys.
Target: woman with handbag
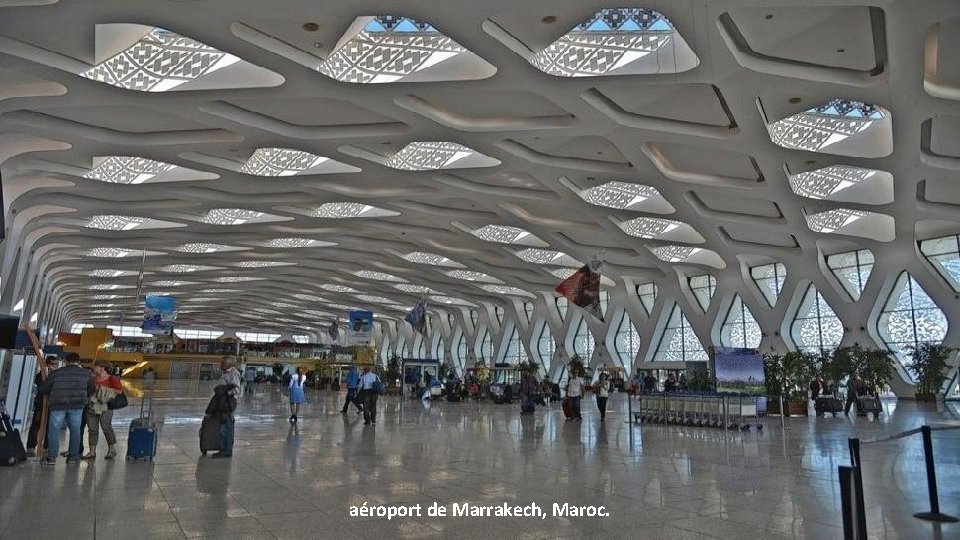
{"x": 99, "y": 412}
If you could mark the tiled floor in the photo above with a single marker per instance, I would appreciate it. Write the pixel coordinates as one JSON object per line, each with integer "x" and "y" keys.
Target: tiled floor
{"x": 667, "y": 482}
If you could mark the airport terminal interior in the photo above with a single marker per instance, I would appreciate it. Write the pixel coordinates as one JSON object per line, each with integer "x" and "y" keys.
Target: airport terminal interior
{"x": 675, "y": 269}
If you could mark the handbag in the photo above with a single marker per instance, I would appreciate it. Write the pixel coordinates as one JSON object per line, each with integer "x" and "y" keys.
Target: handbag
{"x": 117, "y": 402}
{"x": 378, "y": 388}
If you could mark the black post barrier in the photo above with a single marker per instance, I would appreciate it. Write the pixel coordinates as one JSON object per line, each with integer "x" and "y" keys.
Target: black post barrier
{"x": 857, "y": 478}
{"x": 934, "y": 513}
{"x": 848, "y": 503}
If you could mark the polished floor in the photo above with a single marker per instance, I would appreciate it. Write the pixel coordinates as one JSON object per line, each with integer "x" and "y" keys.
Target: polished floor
{"x": 657, "y": 482}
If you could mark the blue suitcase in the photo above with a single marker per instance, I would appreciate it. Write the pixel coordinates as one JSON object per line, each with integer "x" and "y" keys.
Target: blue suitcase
{"x": 142, "y": 439}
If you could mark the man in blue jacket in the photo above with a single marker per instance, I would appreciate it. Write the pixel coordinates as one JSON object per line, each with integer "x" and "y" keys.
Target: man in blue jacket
{"x": 353, "y": 380}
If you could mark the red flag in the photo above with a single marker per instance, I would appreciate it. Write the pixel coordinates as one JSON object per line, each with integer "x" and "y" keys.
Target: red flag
{"x": 583, "y": 289}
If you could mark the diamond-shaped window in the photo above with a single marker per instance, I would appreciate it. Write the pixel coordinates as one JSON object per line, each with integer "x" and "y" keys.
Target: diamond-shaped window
{"x": 137, "y": 170}
{"x": 910, "y": 317}
{"x": 287, "y": 162}
{"x": 618, "y": 41}
{"x": 153, "y": 59}
{"x": 816, "y": 327}
{"x": 507, "y": 234}
{"x": 740, "y": 329}
{"x": 438, "y": 155}
{"x": 342, "y": 210}
{"x": 392, "y": 48}
{"x": 627, "y": 196}
{"x": 678, "y": 342}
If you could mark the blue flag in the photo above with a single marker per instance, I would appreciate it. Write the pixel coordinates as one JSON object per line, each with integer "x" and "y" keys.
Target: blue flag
{"x": 417, "y": 317}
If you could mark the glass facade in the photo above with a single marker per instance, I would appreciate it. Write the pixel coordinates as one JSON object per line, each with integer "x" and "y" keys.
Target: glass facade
{"x": 740, "y": 328}
{"x": 816, "y": 327}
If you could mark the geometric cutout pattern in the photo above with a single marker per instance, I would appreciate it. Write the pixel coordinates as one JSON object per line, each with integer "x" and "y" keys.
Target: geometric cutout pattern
{"x": 679, "y": 343}
{"x": 910, "y": 317}
{"x": 816, "y": 327}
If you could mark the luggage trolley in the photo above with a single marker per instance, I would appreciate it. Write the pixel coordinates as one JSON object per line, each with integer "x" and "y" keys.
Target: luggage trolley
{"x": 740, "y": 411}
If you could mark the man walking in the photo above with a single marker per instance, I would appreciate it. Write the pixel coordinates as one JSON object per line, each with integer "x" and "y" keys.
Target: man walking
{"x": 34, "y": 432}
{"x": 249, "y": 377}
{"x": 854, "y": 390}
{"x": 69, "y": 388}
{"x": 368, "y": 392}
{"x": 226, "y": 403}
{"x": 353, "y": 380}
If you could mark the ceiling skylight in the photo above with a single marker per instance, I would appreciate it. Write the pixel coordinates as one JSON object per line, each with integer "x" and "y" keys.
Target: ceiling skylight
{"x": 437, "y": 155}
{"x": 339, "y": 210}
{"x": 338, "y": 288}
{"x": 391, "y": 48}
{"x": 844, "y": 183}
{"x": 105, "y": 296}
{"x": 379, "y": 276}
{"x": 286, "y": 162}
{"x": 291, "y": 242}
{"x": 411, "y": 288}
{"x": 841, "y": 126}
{"x": 309, "y": 297}
{"x": 263, "y": 264}
{"x": 126, "y": 170}
{"x": 618, "y": 41}
{"x": 627, "y": 196}
{"x": 432, "y": 259}
{"x": 470, "y": 275}
{"x": 230, "y": 216}
{"x": 374, "y": 299}
{"x": 506, "y": 234}
{"x": 109, "y": 252}
{"x": 203, "y": 248}
{"x": 853, "y": 222}
{"x": 158, "y": 60}
{"x": 236, "y": 279}
{"x": 185, "y": 268}
{"x": 547, "y": 256}
{"x": 169, "y": 283}
{"x": 106, "y": 273}
{"x": 115, "y": 223}
{"x": 663, "y": 229}
{"x": 503, "y": 289}
{"x": 451, "y": 300}
{"x": 675, "y": 253}
{"x": 106, "y": 287}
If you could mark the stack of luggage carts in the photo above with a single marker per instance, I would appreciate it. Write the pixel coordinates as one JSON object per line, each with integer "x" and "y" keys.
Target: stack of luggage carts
{"x": 700, "y": 410}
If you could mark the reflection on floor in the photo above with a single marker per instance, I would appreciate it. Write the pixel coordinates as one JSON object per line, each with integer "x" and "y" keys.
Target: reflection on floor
{"x": 299, "y": 482}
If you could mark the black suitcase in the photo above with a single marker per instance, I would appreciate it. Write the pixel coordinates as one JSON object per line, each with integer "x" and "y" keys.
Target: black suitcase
{"x": 11, "y": 445}
{"x": 828, "y": 405}
{"x": 210, "y": 434}
{"x": 870, "y": 404}
{"x": 527, "y": 405}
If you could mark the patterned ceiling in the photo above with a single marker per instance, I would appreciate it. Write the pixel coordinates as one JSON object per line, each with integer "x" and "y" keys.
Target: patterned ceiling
{"x": 364, "y": 154}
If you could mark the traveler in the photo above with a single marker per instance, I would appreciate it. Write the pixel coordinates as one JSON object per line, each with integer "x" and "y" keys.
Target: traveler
{"x": 225, "y": 404}
{"x": 68, "y": 389}
{"x": 368, "y": 392}
{"x": 99, "y": 415}
{"x": 817, "y": 387}
{"x": 52, "y": 362}
{"x": 296, "y": 394}
{"x": 353, "y": 380}
{"x": 855, "y": 389}
{"x": 249, "y": 377}
{"x": 670, "y": 385}
{"x": 529, "y": 393}
{"x": 649, "y": 383}
{"x": 603, "y": 392}
{"x": 575, "y": 393}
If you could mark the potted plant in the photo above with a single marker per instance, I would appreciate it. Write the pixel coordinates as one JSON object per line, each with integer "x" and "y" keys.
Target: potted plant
{"x": 874, "y": 366}
{"x": 446, "y": 371}
{"x": 787, "y": 377}
{"x": 392, "y": 374}
{"x": 699, "y": 380}
{"x": 576, "y": 367}
{"x": 929, "y": 364}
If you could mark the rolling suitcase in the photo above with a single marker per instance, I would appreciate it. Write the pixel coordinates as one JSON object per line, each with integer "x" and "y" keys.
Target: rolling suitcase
{"x": 828, "y": 405}
{"x": 210, "y": 434}
{"x": 870, "y": 404}
{"x": 567, "y": 407}
{"x": 527, "y": 405}
{"x": 142, "y": 439}
{"x": 11, "y": 445}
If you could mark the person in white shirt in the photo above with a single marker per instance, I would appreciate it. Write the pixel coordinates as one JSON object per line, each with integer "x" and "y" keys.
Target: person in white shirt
{"x": 369, "y": 396}
{"x": 603, "y": 392}
{"x": 297, "y": 396}
{"x": 575, "y": 393}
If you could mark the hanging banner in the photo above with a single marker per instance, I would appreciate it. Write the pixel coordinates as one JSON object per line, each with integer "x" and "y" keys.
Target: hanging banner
{"x": 360, "y": 327}
{"x": 159, "y": 312}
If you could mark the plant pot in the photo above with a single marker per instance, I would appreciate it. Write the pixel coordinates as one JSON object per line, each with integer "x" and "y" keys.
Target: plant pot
{"x": 930, "y": 398}
{"x": 794, "y": 408}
